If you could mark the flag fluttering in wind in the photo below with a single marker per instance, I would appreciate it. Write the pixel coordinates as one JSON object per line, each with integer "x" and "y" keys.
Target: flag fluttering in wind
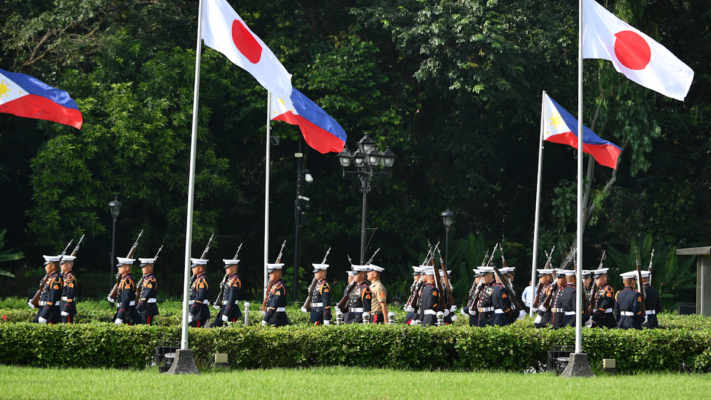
{"x": 28, "y": 97}
{"x": 633, "y": 53}
{"x": 320, "y": 130}
{"x": 561, "y": 127}
{"x": 225, "y": 31}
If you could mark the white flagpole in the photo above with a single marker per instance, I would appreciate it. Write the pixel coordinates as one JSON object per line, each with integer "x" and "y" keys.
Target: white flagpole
{"x": 579, "y": 238}
{"x": 191, "y": 183}
{"x": 266, "y": 192}
{"x": 538, "y": 204}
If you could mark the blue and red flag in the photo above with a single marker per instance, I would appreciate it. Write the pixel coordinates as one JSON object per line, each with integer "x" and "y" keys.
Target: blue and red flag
{"x": 28, "y": 97}
{"x": 561, "y": 127}
{"x": 320, "y": 130}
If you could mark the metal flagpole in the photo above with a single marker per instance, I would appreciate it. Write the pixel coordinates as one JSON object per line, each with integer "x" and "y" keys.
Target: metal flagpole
{"x": 266, "y": 192}
{"x": 579, "y": 238}
{"x": 191, "y": 183}
{"x": 538, "y": 204}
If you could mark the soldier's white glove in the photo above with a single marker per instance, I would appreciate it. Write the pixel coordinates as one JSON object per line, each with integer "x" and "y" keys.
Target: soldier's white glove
{"x": 453, "y": 308}
{"x": 225, "y": 318}
{"x": 327, "y": 323}
{"x": 29, "y": 303}
{"x": 216, "y": 307}
{"x": 538, "y": 319}
{"x": 262, "y": 312}
{"x": 446, "y": 312}
{"x": 462, "y": 312}
{"x": 303, "y": 309}
{"x": 410, "y": 309}
{"x": 454, "y": 317}
{"x": 65, "y": 314}
{"x": 264, "y": 323}
{"x": 472, "y": 311}
{"x": 42, "y": 320}
{"x": 521, "y": 314}
{"x": 110, "y": 299}
{"x": 589, "y": 323}
{"x": 118, "y": 321}
{"x": 541, "y": 308}
{"x": 646, "y": 318}
{"x": 190, "y": 318}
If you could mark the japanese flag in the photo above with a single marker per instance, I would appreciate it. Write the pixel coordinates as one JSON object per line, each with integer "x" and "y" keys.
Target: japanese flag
{"x": 225, "y": 31}
{"x": 633, "y": 53}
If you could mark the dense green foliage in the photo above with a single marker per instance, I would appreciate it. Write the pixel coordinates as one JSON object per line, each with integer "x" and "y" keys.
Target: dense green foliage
{"x": 452, "y": 87}
{"x": 514, "y": 348}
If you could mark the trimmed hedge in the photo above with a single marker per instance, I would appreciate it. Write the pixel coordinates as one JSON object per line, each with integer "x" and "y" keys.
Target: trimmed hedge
{"x": 513, "y": 348}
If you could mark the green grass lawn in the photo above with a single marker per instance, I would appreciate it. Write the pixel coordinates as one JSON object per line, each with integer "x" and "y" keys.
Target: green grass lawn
{"x": 338, "y": 383}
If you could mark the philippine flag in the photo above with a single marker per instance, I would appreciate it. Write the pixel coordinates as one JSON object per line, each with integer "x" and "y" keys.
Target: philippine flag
{"x": 28, "y": 97}
{"x": 560, "y": 127}
{"x": 320, "y": 130}
{"x": 633, "y": 53}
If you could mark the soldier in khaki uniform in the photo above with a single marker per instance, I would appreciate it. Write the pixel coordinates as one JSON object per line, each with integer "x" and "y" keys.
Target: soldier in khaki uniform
{"x": 379, "y": 307}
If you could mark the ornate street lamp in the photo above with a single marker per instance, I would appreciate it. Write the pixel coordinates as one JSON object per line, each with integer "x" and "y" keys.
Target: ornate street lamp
{"x": 447, "y": 218}
{"x": 115, "y": 207}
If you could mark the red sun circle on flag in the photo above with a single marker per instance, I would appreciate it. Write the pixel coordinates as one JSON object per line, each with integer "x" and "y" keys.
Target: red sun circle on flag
{"x": 245, "y": 42}
{"x": 632, "y": 50}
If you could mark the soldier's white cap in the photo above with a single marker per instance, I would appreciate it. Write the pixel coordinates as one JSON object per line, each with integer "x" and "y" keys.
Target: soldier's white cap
{"x": 587, "y": 273}
{"x": 629, "y": 275}
{"x": 229, "y": 263}
{"x": 320, "y": 267}
{"x": 645, "y": 274}
{"x": 350, "y": 272}
{"x": 361, "y": 268}
{"x": 600, "y": 272}
{"x": 429, "y": 271}
{"x": 124, "y": 261}
{"x": 274, "y": 267}
{"x": 67, "y": 259}
{"x": 197, "y": 261}
{"x": 486, "y": 270}
{"x": 375, "y": 268}
{"x": 560, "y": 273}
{"x": 441, "y": 272}
{"x": 569, "y": 272}
{"x": 417, "y": 270}
{"x": 544, "y": 271}
{"x": 478, "y": 272}
{"x": 49, "y": 259}
{"x": 510, "y": 270}
{"x": 146, "y": 261}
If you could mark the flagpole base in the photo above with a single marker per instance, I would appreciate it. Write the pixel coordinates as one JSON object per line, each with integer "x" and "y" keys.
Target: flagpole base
{"x": 578, "y": 367}
{"x": 184, "y": 363}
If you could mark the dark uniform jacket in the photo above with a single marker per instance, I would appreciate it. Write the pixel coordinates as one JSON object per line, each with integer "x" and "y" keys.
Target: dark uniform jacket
{"x": 321, "y": 295}
{"x": 200, "y": 298}
{"x": 146, "y": 305}
{"x": 485, "y": 306}
{"x": 69, "y": 287}
{"x": 230, "y": 296}
{"x": 652, "y": 306}
{"x": 568, "y": 299}
{"x": 504, "y": 313}
{"x": 545, "y": 314}
{"x": 126, "y": 301}
{"x": 628, "y": 309}
{"x": 429, "y": 304}
{"x": 557, "y": 312}
{"x": 276, "y": 314}
{"x": 604, "y": 304}
{"x": 361, "y": 298}
{"x": 50, "y": 297}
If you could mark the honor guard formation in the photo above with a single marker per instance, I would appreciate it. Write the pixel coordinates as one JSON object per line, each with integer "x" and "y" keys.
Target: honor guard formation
{"x": 492, "y": 300}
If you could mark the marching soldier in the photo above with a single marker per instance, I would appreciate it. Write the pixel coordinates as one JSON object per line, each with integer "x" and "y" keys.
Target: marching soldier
{"x": 379, "y": 306}
{"x": 276, "y": 302}
{"x": 229, "y": 309}
{"x": 587, "y": 282}
{"x": 504, "y": 312}
{"x": 126, "y": 299}
{"x": 48, "y": 311}
{"x": 569, "y": 300}
{"x": 652, "y": 303}
{"x": 543, "y": 317}
{"x": 557, "y": 312}
{"x": 199, "y": 295}
{"x": 469, "y": 309}
{"x": 414, "y": 313}
{"x": 68, "y": 306}
{"x": 628, "y": 306}
{"x": 361, "y": 297}
{"x": 321, "y": 297}
{"x": 484, "y": 309}
{"x": 147, "y": 292}
{"x": 604, "y": 301}
{"x": 449, "y": 316}
{"x": 429, "y": 299}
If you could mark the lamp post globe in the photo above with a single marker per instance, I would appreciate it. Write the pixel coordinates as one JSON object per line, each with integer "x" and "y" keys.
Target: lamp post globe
{"x": 374, "y": 157}
{"x": 387, "y": 159}
{"x": 115, "y": 207}
{"x": 345, "y": 157}
{"x": 359, "y": 159}
{"x": 366, "y": 144}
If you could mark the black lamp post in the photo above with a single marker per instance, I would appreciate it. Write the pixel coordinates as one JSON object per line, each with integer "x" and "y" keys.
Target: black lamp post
{"x": 115, "y": 207}
{"x": 368, "y": 162}
{"x": 447, "y": 218}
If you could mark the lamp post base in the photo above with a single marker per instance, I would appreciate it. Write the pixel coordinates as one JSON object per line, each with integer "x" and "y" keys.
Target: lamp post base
{"x": 578, "y": 367}
{"x": 183, "y": 364}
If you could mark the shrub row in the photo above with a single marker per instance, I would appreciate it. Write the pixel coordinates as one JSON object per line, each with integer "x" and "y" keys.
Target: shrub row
{"x": 513, "y": 348}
